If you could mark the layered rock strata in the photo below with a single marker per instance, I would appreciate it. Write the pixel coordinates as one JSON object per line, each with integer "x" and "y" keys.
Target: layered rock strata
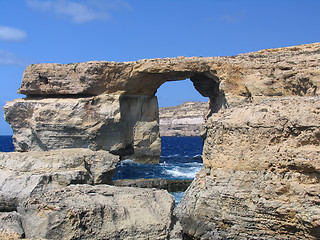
{"x": 186, "y": 119}
{"x": 115, "y": 123}
{"x": 262, "y": 173}
{"x": 98, "y": 212}
{"x": 270, "y": 72}
{"x": 227, "y": 81}
{"x": 23, "y": 174}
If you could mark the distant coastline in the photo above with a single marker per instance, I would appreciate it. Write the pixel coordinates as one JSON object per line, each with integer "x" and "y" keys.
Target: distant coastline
{"x": 186, "y": 119}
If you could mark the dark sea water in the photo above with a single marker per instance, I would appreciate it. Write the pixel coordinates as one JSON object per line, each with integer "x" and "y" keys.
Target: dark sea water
{"x": 180, "y": 159}
{"x": 6, "y": 144}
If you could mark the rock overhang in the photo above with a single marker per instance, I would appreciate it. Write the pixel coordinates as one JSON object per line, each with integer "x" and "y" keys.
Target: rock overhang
{"x": 271, "y": 72}
{"x": 142, "y": 77}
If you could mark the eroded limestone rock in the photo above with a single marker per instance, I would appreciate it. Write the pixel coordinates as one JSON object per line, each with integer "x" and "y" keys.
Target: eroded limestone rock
{"x": 142, "y": 77}
{"x": 105, "y": 122}
{"x": 270, "y": 72}
{"x": 261, "y": 176}
{"x": 98, "y": 212}
{"x": 10, "y": 226}
{"x": 23, "y": 174}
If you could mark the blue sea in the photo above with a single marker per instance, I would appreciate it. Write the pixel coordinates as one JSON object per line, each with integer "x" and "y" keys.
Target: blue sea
{"x": 180, "y": 159}
{"x": 6, "y": 144}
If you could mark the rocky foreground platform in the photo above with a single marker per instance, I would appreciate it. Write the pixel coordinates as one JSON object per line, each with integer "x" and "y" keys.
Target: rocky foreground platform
{"x": 261, "y": 175}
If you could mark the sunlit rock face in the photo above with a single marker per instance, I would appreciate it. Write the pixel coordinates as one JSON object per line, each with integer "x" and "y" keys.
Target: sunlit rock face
{"x": 261, "y": 142}
{"x": 98, "y": 212}
{"x": 270, "y": 72}
{"x": 261, "y": 176}
{"x": 111, "y": 106}
{"x": 104, "y": 122}
{"x": 25, "y": 173}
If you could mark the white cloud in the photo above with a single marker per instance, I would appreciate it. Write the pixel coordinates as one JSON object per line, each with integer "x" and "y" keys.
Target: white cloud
{"x": 11, "y": 34}
{"x": 77, "y": 11}
{"x": 233, "y": 18}
{"x": 229, "y": 18}
{"x": 8, "y": 58}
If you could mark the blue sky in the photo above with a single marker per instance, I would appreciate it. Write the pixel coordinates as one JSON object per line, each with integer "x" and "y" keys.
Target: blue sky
{"x": 64, "y": 31}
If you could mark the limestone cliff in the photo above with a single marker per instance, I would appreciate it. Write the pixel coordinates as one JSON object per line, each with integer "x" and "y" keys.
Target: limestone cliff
{"x": 261, "y": 176}
{"x": 186, "y": 119}
{"x": 261, "y": 150}
{"x": 91, "y": 95}
{"x": 123, "y": 125}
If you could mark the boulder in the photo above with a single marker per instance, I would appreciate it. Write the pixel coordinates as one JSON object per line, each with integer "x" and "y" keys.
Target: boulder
{"x": 98, "y": 212}
{"x": 10, "y": 226}
{"x": 23, "y": 174}
{"x": 261, "y": 176}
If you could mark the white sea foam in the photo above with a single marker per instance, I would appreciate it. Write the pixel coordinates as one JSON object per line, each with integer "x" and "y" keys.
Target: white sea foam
{"x": 128, "y": 162}
{"x": 170, "y": 156}
{"x": 194, "y": 164}
{"x": 183, "y": 172}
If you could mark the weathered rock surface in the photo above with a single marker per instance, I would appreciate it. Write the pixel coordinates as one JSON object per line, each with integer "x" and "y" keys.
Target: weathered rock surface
{"x": 262, "y": 173}
{"x": 98, "y": 212}
{"x": 171, "y": 185}
{"x": 142, "y": 77}
{"x": 10, "y": 226}
{"x": 108, "y": 122}
{"x": 82, "y": 93}
{"x": 23, "y": 174}
{"x": 186, "y": 119}
{"x": 277, "y": 131}
{"x": 271, "y": 72}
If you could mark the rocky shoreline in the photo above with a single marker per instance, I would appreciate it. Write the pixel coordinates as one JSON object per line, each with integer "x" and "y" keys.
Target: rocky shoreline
{"x": 171, "y": 185}
{"x": 261, "y": 175}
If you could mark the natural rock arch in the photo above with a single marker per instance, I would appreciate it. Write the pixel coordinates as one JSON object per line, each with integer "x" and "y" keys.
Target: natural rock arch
{"x": 109, "y": 106}
{"x": 269, "y": 190}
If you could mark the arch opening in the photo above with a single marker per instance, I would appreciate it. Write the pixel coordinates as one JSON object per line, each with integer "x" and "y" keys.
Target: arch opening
{"x": 181, "y": 156}
{"x": 173, "y": 93}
